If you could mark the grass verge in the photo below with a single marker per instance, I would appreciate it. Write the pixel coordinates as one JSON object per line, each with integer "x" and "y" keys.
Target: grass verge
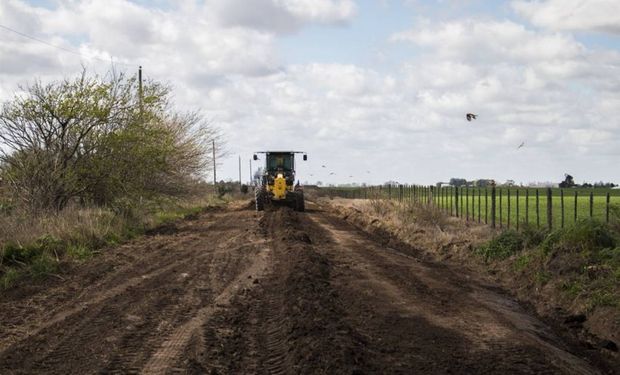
{"x": 37, "y": 247}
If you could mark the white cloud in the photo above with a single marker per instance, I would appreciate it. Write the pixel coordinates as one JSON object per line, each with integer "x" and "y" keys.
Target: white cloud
{"x": 222, "y": 56}
{"x": 281, "y": 16}
{"x": 577, "y": 15}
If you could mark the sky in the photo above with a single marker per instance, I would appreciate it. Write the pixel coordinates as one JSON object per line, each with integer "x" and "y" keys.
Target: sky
{"x": 375, "y": 90}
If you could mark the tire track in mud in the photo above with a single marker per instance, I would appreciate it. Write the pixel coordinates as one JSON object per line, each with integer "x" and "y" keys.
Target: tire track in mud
{"x": 117, "y": 329}
{"x": 470, "y": 323}
{"x": 167, "y": 354}
{"x": 291, "y": 323}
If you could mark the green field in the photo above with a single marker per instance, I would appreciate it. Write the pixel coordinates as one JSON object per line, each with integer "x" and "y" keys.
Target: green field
{"x": 567, "y": 205}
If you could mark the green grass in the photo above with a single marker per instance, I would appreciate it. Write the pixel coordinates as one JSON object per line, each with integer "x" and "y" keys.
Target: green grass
{"x": 474, "y": 205}
{"x": 502, "y": 246}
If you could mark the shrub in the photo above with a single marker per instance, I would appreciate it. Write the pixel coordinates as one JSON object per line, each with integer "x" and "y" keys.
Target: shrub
{"x": 502, "y": 246}
{"x": 583, "y": 236}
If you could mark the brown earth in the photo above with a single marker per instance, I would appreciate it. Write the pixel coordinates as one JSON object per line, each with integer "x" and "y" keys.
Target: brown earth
{"x": 278, "y": 292}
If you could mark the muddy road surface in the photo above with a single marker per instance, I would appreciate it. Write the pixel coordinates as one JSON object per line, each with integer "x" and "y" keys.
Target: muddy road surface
{"x": 277, "y": 292}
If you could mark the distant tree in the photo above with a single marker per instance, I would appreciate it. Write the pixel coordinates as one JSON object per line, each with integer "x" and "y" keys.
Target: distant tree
{"x": 568, "y": 181}
{"x": 602, "y": 184}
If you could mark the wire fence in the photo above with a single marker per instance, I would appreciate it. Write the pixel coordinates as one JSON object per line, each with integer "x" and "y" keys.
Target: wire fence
{"x": 500, "y": 207}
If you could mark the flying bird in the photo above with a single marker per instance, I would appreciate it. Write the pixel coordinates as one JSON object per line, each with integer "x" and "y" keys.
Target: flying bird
{"x": 322, "y": 166}
{"x": 350, "y": 176}
{"x": 470, "y": 116}
{"x": 521, "y": 145}
{"x": 331, "y": 173}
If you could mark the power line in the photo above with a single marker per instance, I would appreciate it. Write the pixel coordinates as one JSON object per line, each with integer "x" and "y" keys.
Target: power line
{"x": 68, "y": 50}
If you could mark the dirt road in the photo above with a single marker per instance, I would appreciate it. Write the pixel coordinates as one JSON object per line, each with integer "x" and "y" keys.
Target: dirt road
{"x": 278, "y": 292}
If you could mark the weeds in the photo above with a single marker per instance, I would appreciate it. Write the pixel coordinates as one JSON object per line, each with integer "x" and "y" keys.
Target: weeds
{"x": 583, "y": 236}
{"x": 502, "y": 246}
{"x": 35, "y": 246}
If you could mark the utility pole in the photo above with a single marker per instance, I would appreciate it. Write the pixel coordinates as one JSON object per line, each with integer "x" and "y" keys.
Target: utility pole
{"x": 140, "y": 89}
{"x": 240, "y": 171}
{"x": 251, "y": 177}
{"x": 214, "y": 168}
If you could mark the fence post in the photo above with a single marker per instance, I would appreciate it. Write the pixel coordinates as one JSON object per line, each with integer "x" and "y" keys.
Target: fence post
{"x": 479, "y": 205}
{"x": 537, "y": 209}
{"x": 591, "y": 204}
{"x": 549, "y": 210}
{"x": 575, "y": 215}
{"x": 466, "y": 203}
{"x": 518, "y": 218}
{"x": 493, "y": 206}
{"x": 501, "y": 225}
{"x": 461, "y": 203}
{"x": 486, "y": 205}
{"x": 562, "y": 207}
{"x": 527, "y": 206}
{"x": 508, "y": 210}
{"x": 473, "y": 205}
{"x": 390, "y": 191}
{"x": 456, "y": 201}
{"x": 607, "y": 208}
{"x": 430, "y": 195}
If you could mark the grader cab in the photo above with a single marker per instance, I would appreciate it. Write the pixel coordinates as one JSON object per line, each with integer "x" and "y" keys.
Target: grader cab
{"x": 277, "y": 184}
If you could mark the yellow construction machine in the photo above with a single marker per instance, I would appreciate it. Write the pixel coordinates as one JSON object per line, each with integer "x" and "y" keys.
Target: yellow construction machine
{"x": 277, "y": 185}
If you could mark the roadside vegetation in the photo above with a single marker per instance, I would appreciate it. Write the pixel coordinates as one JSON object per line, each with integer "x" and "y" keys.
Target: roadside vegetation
{"x": 90, "y": 162}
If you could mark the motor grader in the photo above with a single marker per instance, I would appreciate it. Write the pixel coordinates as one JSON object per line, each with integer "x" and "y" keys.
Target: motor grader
{"x": 277, "y": 185}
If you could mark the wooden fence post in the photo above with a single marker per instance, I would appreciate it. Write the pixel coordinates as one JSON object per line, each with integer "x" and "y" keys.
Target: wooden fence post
{"x": 607, "y": 208}
{"x": 473, "y": 205}
{"x": 562, "y": 207}
{"x": 508, "y": 214}
{"x": 466, "y": 203}
{"x": 575, "y": 214}
{"x": 591, "y": 205}
{"x": 527, "y": 206}
{"x": 493, "y": 206}
{"x": 479, "y": 200}
{"x": 456, "y": 201}
{"x": 549, "y": 210}
{"x": 518, "y": 218}
{"x": 537, "y": 208}
{"x": 501, "y": 225}
{"x": 486, "y": 205}
{"x": 430, "y": 195}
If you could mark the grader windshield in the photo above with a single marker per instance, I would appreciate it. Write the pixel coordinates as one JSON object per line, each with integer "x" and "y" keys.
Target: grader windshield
{"x": 280, "y": 162}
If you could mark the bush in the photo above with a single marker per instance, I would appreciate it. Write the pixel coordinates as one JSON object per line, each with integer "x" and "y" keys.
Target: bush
{"x": 502, "y": 246}
{"x": 532, "y": 236}
{"x": 97, "y": 141}
{"x": 583, "y": 236}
